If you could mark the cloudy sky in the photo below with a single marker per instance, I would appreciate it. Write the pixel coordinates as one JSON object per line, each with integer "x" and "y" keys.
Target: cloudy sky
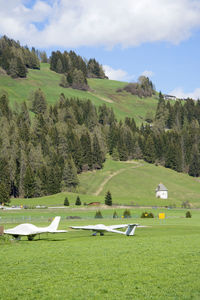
{"x": 157, "y": 38}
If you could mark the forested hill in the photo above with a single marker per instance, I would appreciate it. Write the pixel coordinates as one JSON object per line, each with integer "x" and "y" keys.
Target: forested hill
{"x": 70, "y": 74}
{"x": 16, "y": 60}
{"x": 51, "y": 132}
{"x": 42, "y": 154}
{"x": 102, "y": 91}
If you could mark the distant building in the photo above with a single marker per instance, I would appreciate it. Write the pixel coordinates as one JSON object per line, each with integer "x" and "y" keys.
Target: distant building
{"x": 169, "y": 97}
{"x": 161, "y": 191}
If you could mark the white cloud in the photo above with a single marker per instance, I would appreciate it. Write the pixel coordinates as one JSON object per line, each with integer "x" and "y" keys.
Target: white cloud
{"x": 106, "y": 22}
{"x": 148, "y": 73}
{"x": 118, "y": 74}
{"x": 179, "y": 93}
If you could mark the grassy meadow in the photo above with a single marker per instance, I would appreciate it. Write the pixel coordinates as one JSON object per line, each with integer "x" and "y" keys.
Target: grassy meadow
{"x": 101, "y": 91}
{"x": 159, "y": 262}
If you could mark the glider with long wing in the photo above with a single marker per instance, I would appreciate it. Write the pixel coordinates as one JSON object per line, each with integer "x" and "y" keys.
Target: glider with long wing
{"x": 31, "y": 230}
{"x": 101, "y": 228}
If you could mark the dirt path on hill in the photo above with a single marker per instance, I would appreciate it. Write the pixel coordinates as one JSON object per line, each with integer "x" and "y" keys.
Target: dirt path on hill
{"x": 102, "y": 98}
{"x": 111, "y": 176}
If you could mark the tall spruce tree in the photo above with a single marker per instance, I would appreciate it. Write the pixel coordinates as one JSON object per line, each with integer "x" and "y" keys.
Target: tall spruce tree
{"x": 108, "y": 198}
{"x": 194, "y": 167}
{"x": 69, "y": 178}
{"x": 66, "y": 201}
{"x": 54, "y": 179}
{"x": 39, "y": 104}
{"x": 97, "y": 154}
{"x": 4, "y": 193}
{"x": 29, "y": 183}
{"x": 78, "y": 201}
{"x": 87, "y": 158}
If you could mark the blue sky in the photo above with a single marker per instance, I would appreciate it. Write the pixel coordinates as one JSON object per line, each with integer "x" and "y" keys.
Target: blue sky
{"x": 157, "y": 38}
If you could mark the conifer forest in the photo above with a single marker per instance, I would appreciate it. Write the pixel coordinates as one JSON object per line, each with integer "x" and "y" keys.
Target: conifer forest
{"x": 44, "y": 147}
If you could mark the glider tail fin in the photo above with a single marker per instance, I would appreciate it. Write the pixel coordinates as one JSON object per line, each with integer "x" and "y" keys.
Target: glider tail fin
{"x": 131, "y": 229}
{"x": 54, "y": 224}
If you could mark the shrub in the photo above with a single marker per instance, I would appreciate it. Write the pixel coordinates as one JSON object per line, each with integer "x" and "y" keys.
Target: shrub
{"x": 98, "y": 215}
{"x": 188, "y": 214}
{"x": 66, "y": 201}
{"x": 150, "y": 215}
{"x": 147, "y": 215}
{"x": 127, "y": 214}
{"x": 115, "y": 215}
{"x": 108, "y": 198}
{"x": 78, "y": 201}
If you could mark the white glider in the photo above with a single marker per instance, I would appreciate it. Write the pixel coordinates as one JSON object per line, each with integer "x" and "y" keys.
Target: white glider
{"x": 31, "y": 230}
{"x": 101, "y": 228}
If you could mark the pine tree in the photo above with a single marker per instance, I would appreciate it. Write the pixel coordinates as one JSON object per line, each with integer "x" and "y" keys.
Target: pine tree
{"x": 69, "y": 177}
{"x": 4, "y": 173}
{"x": 39, "y": 104}
{"x": 59, "y": 66}
{"x": 34, "y": 60}
{"x": 78, "y": 201}
{"x": 115, "y": 215}
{"x": 29, "y": 183}
{"x": 43, "y": 175}
{"x": 97, "y": 153}
{"x": 194, "y": 167}
{"x": 4, "y": 193}
{"x": 4, "y": 107}
{"x": 108, "y": 199}
{"x": 79, "y": 81}
{"x": 127, "y": 213}
{"x": 66, "y": 201}
{"x": 173, "y": 158}
{"x": 149, "y": 150}
{"x": 13, "y": 68}
{"x": 87, "y": 158}
{"x": 21, "y": 68}
{"x": 98, "y": 215}
{"x": 63, "y": 81}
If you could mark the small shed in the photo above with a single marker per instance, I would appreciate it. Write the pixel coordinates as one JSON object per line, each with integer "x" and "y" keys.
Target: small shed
{"x": 161, "y": 191}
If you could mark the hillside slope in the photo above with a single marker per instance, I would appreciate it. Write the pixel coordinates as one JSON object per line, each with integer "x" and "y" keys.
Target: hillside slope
{"x": 102, "y": 91}
{"x": 132, "y": 182}
{"x": 135, "y": 183}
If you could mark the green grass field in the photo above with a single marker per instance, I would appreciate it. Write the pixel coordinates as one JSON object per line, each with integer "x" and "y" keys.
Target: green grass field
{"x": 159, "y": 262}
{"x": 102, "y": 91}
{"x": 130, "y": 183}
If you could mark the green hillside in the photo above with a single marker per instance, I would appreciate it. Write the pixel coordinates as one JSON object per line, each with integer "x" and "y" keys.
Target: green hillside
{"x": 130, "y": 183}
{"x": 135, "y": 183}
{"x": 102, "y": 91}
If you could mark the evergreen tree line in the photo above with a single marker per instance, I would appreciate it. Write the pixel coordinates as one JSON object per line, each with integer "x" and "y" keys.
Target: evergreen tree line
{"x": 15, "y": 59}
{"x": 42, "y": 154}
{"x": 172, "y": 140}
{"x": 75, "y": 69}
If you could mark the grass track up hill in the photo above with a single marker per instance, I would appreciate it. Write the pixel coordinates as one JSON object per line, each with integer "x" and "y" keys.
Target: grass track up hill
{"x": 129, "y": 183}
